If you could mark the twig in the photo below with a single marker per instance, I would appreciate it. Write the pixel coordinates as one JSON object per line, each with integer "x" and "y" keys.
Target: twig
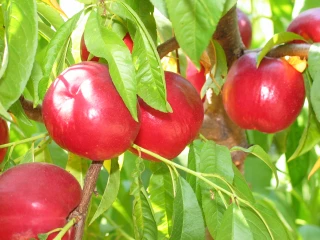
{"x": 89, "y": 185}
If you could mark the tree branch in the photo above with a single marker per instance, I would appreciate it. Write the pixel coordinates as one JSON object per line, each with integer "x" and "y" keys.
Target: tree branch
{"x": 89, "y": 185}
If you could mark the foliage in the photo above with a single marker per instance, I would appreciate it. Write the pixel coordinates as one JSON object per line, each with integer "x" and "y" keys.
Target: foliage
{"x": 201, "y": 191}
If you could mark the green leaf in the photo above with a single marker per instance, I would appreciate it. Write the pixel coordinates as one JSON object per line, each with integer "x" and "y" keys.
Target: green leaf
{"x": 258, "y": 151}
{"x": 241, "y": 187}
{"x": 78, "y": 167}
{"x": 102, "y": 42}
{"x": 213, "y": 209}
{"x": 309, "y": 232}
{"x": 145, "y": 226}
{"x": 33, "y": 83}
{"x": 21, "y": 18}
{"x": 216, "y": 159}
{"x": 4, "y": 114}
{"x": 161, "y": 196}
{"x": 234, "y": 225}
{"x": 57, "y": 45}
{"x": 111, "y": 190}
{"x": 218, "y": 72}
{"x": 187, "y": 216}
{"x": 277, "y": 39}
{"x": 194, "y": 164}
{"x": 17, "y": 110}
{"x": 50, "y": 14}
{"x": 150, "y": 75}
{"x": 29, "y": 157}
{"x": 161, "y": 6}
{"x": 194, "y": 23}
{"x": 313, "y": 69}
{"x": 144, "y": 9}
{"x": 309, "y": 138}
{"x": 261, "y": 229}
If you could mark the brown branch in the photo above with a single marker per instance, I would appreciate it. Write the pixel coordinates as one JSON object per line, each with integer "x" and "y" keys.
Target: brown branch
{"x": 31, "y": 112}
{"x": 217, "y": 125}
{"x": 89, "y": 185}
{"x": 167, "y": 47}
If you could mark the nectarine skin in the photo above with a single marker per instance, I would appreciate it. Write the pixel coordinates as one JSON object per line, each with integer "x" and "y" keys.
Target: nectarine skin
{"x": 194, "y": 76}
{"x": 268, "y": 98}
{"x": 36, "y": 198}
{"x": 167, "y": 134}
{"x": 84, "y": 113}
{"x": 4, "y": 138}
{"x": 307, "y": 24}
{"x": 245, "y": 28}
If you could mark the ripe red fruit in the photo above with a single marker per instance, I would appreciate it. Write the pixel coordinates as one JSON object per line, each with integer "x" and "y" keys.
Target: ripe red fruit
{"x": 194, "y": 76}
{"x": 36, "y": 198}
{"x": 307, "y": 24}
{"x": 167, "y": 134}
{"x": 268, "y": 98}
{"x": 4, "y": 138}
{"x": 84, "y": 53}
{"x": 245, "y": 28}
{"x": 84, "y": 113}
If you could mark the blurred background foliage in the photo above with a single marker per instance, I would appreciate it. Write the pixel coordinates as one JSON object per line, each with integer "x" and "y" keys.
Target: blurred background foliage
{"x": 297, "y": 199}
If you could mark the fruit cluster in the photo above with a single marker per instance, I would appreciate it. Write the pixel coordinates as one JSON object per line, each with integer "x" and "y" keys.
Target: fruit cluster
{"x": 84, "y": 114}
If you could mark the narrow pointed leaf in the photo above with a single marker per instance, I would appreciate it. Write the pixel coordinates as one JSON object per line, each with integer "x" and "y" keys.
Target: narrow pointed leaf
{"x": 145, "y": 226}
{"x": 111, "y": 191}
{"x": 56, "y": 46}
{"x": 258, "y": 151}
{"x": 194, "y": 23}
{"x": 234, "y": 225}
{"x": 150, "y": 75}
{"x": 315, "y": 168}
{"x": 161, "y": 196}
{"x": 103, "y": 42}
{"x": 187, "y": 216}
{"x": 21, "y": 17}
{"x": 313, "y": 69}
{"x": 213, "y": 209}
{"x": 277, "y": 39}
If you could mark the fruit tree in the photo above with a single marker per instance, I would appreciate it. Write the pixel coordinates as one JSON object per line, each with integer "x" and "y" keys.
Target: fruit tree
{"x": 160, "y": 119}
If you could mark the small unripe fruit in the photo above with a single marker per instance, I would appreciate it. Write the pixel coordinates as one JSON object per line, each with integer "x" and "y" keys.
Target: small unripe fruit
{"x": 84, "y": 113}
{"x": 167, "y": 134}
{"x": 268, "y": 98}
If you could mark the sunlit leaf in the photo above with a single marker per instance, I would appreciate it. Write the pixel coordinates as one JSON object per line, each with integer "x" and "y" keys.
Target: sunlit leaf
{"x": 315, "y": 168}
{"x": 161, "y": 196}
{"x": 277, "y": 39}
{"x": 194, "y": 23}
{"x": 150, "y": 75}
{"x": 103, "y": 42}
{"x": 21, "y": 17}
{"x": 55, "y": 5}
{"x": 57, "y": 44}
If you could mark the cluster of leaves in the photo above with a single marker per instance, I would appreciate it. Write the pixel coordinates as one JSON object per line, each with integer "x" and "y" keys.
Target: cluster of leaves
{"x": 208, "y": 192}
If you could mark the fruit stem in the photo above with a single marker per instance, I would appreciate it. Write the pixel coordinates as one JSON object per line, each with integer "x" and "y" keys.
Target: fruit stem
{"x": 203, "y": 176}
{"x": 65, "y": 229}
{"x": 43, "y": 135}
